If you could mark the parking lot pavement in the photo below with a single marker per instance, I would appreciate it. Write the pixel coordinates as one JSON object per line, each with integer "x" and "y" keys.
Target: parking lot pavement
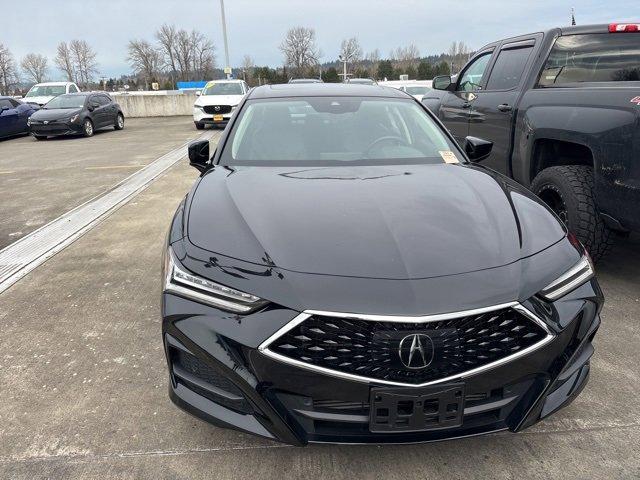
{"x": 40, "y": 180}
{"x": 83, "y": 381}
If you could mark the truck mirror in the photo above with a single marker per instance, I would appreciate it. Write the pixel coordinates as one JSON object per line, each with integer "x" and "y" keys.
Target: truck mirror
{"x": 477, "y": 149}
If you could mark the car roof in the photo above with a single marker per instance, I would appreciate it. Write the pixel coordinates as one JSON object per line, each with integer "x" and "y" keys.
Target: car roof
{"x": 227, "y": 80}
{"x": 281, "y": 90}
{"x": 52, "y": 84}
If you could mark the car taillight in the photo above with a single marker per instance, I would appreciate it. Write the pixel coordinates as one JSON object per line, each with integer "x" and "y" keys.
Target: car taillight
{"x": 624, "y": 27}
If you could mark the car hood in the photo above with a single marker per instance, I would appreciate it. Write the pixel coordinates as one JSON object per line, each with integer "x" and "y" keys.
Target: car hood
{"x": 388, "y": 222}
{"x": 54, "y": 114}
{"x": 38, "y": 100}
{"x": 218, "y": 100}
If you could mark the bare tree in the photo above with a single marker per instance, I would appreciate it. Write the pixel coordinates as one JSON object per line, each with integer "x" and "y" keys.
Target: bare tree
{"x": 300, "y": 50}
{"x": 64, "y": 62}
{"x": 166, "y": 37}
{"x": 374, "y": 58}
{"x": 144, "y": 59}
{"x": 35, "y": 66}
{"x": 458, "y": 54}
{"x": 405, "y": 56}
{"x": 183, "y": 53}
{"x": 247, "y": 67}
{"x": 204, "y": 60}
{"x": 350, "y": 51}
{"x": 84, "y": 60}
{"x": 8, "y": 71}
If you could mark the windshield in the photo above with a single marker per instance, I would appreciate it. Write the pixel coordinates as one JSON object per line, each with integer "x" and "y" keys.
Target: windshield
{"x": 215, "y": 88}
{"x": 66, "y": 101}
{"x": 335, "y": 131}
{"x": 45, "y": 91}
{"x": 417, "y": 90}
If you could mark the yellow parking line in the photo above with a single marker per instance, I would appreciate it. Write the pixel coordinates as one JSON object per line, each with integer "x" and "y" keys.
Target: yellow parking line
{"x": 7, "y": 172}
{"x": 114, "y": 166}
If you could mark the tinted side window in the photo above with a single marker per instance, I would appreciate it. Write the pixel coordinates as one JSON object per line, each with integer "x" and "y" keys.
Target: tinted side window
{"x": 472, "y": 76}
{"x": 5, "y": 103}
{"x": 606, "y": 57}
{"x": 508, "y": 69}
{"x": 100, "y": 100}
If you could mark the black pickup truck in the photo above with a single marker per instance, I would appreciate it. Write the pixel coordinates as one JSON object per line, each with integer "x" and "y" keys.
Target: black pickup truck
{"x": 562, "y": 108}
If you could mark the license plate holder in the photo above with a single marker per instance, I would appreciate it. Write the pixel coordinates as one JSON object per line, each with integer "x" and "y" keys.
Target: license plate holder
{"x": 416, "y": 409}
{"x": 218, "y": 118}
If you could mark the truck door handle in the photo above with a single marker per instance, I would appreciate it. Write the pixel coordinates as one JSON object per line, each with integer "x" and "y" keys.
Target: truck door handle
{"x": 505, "y": 107}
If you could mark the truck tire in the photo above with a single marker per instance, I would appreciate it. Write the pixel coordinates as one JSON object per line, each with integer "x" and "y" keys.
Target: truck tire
{"x": 568, "y": 190}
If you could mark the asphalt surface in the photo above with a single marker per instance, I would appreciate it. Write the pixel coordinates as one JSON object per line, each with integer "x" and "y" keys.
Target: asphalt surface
{"x": 41, "y": 180}
{"x": 83, "y": 380}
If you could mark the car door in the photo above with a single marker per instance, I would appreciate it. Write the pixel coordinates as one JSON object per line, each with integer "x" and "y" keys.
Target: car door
{"x": 111, "y": 110}
{"x": 101, "y": 111}
{"x": 494, "y": 106}
{"x": 8, "y": 118}
{"x": 24, "y": 112}
{"x": 455, "y": 107}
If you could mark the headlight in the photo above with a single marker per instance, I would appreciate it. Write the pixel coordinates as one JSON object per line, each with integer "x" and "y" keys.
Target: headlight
{"x": 29, "y": 122}
{"x": 199, "y": 107}
{"x": 185, "y": 284}
{"x": 74, "y": 118}
{"x": 576, "y": 276}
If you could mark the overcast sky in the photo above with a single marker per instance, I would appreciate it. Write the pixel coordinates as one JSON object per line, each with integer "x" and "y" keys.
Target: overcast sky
{"x": 256, "y": 27}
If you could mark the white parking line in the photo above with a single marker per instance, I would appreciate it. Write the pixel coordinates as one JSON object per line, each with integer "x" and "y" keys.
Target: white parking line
{"x": 24, "y": 255}
{"x": 109, "y": 167}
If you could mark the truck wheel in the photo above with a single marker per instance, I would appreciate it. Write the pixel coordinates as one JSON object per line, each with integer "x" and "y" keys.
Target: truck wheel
{"x": 568, "y": 190}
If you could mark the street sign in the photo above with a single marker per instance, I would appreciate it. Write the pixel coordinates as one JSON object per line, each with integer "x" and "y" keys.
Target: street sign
{"x": 227, "y": 70}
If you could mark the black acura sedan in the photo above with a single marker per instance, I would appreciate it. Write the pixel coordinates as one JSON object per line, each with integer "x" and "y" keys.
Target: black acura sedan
{"x": 343, "y": 271}
{"x": 76, "y": 114}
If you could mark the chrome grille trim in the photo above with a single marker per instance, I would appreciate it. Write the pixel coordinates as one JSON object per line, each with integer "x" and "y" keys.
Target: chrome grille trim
{"x": 264, "y": 346}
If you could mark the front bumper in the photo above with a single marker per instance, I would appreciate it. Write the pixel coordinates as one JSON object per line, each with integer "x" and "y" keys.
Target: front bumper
{"x": 199, "y": 116}
{"x": 55, "y": 129}
{"x": 218, "y": 374}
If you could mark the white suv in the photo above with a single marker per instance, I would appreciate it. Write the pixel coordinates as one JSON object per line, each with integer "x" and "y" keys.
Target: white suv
{"x": 41, "y": 93}
{"x": 217, "y": 101}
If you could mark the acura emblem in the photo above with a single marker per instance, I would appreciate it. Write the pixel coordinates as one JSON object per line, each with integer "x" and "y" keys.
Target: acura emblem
{"x": 416, "y": 351}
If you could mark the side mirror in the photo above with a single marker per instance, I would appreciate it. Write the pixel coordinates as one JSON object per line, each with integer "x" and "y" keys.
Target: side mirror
{"x": 2, "y": 109}
{"x": 198, "y": 93}
{"x": 441, "y": 82}
{"x": 477, "y": 149}
{"x": 199, "y": 155}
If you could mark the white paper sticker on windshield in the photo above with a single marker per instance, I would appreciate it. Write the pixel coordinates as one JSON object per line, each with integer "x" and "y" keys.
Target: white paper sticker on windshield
{"x": 449, "y": 157}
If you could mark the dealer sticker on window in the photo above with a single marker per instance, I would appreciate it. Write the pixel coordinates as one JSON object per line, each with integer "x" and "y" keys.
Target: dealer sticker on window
{"x": 448, "y": 156}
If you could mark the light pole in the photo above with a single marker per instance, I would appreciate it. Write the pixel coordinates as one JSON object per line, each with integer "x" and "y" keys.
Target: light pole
{"x": 227, "y": 69}
{"x": 344, "y": 67}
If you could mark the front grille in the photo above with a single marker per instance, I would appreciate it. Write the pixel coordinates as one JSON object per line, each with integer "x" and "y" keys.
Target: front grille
{"x": 380, "y": 350}
{"x": 217, "y": 109}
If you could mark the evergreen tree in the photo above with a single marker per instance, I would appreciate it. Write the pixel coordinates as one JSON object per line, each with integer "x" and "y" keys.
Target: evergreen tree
{"x": 330, "y": 75}
{"x": 425, "y": 71}
{"x": 385, "y": 70}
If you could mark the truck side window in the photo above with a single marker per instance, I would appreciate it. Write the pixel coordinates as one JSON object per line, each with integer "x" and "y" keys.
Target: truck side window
{"x": 598, "y": 57}
{"x": 508, "y": 69}
{"x": 472, "y": 76}
{"x": 73, "y": 89}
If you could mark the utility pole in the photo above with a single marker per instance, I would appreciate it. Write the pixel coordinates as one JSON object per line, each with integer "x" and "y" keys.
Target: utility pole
{"x": 227, "y": 69}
